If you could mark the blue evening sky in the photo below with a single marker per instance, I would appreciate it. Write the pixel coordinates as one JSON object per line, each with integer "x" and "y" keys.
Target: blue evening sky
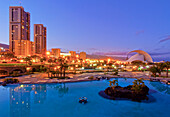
{"x": 98, "y": 26}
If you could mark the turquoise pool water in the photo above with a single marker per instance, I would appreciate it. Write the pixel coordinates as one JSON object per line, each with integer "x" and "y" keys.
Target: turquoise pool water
{"x": 61, "y": 100}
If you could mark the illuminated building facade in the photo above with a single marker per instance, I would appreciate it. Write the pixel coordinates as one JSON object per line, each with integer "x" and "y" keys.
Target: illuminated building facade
{"x": 73, "y": 53}
{"x": 23, "y": 48}
{"x": 56, "y": 52}
{"x": 40, "y": 35}
{"x": 32, "y": 48}
{"x": 19, "y": 26}
{"x": 83, "y": 55}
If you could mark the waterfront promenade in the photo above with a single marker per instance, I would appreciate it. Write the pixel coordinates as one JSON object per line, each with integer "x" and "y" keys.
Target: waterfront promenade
{"x": 39, "y": 78}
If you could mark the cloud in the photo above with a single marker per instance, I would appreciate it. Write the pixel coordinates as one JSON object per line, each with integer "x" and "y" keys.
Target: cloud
{"x": 92, "y": 49}
{"x": 139, "y": 32}
{"x": 165, "y": 39}
{"x": 160, "y": 53}
{"x": 110, "y": 53}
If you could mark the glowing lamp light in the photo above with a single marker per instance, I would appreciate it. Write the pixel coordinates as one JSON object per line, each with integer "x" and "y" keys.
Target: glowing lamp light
{"x": 105, "y": 65}
{"x": 134, "y": 67}
{"x": 122, "y": 65}
{"x": 71, "y": 68}
{"x": 77, "y": 56}
{"x": 102, "y": 61}
{"x": 100, "y": 67}
{"x": 55, "y": 68}
{"x": 76, "y": 65}
{"x": 21, "y": 60}
{"x": 48, "y": 53}
{"x": 94, "y": 64}
{"x": 147, "y": 66}
{"x": 28, "y": 68}
{"x": 82, "y": 68}
{"x": 33, "y": 60}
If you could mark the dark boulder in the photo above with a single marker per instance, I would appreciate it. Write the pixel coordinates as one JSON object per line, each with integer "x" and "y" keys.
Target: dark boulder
{"x": 127, "y": 93}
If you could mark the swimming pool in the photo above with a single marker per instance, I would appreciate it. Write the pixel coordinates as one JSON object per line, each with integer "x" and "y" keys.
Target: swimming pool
{"x": 61, "y": 100}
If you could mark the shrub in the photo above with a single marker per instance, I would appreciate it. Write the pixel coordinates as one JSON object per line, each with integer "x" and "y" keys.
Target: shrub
{"x": 105, "y": 73}
{"x": 15, "y": 74}
{"x": 91, "y": 77}
{"x": 11, "y": 80}
{"x": 116, "y": 73}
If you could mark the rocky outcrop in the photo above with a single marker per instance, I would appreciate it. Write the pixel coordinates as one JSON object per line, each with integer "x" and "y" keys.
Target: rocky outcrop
{"x": 128, "y": 92}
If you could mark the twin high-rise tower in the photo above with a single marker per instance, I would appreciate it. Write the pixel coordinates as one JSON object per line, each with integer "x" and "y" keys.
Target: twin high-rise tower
{"x": 40, "y": 35}
{"x": 19, "y": 34}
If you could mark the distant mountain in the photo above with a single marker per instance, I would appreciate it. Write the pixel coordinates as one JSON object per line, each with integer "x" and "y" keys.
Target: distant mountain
{"x": 4, "y": 45}
{"x": 104, "y": 57}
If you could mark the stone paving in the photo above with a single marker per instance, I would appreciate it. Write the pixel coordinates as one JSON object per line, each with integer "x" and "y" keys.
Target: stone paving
{"x": 39, "y": 78}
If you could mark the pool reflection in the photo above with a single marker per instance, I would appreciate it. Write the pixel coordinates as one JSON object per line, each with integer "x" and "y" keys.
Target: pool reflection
{"x": 22, "y": 96}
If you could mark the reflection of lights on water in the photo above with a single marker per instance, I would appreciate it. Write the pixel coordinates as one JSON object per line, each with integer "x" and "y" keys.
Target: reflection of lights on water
{"x": 22, "y": 86}
{"x": 35, "y": 92}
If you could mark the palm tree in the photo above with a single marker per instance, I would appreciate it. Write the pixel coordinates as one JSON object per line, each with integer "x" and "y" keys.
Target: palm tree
{"x": 65, "y": 66}
{"x": 160, "y": 67}
{"x": 42, "y": 60}
{"x": 35, "y": 57}
{"x": 50, "y": 61}
{"x": 153, "y": 70}
{"x": 48, "y": 71}
{"x": 167, "y": 66}
{"x": 61, "y": 60}
{"x": 81, "y": 61}
{"x": 9, "y": 55}
{"x": 113, "y": 83}
{"x": 57, "y": 73}
{"x": 27, "y": 59}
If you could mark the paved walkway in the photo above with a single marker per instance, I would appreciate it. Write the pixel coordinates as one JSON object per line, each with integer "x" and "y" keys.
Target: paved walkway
{"x": 43, "y": 77}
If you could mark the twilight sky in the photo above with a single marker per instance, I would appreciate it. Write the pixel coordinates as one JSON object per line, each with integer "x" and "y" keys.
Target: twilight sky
{"x": 111, "y": 27}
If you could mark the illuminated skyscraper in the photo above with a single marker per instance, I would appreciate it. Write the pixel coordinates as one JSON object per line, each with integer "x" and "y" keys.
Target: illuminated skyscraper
{"x": 83, "y": 55}
{"x": 56, "y": 52}
{"x": 73, "y": 53}
{"x": 19, "y": 26}
{"x": 40, "y": 39}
